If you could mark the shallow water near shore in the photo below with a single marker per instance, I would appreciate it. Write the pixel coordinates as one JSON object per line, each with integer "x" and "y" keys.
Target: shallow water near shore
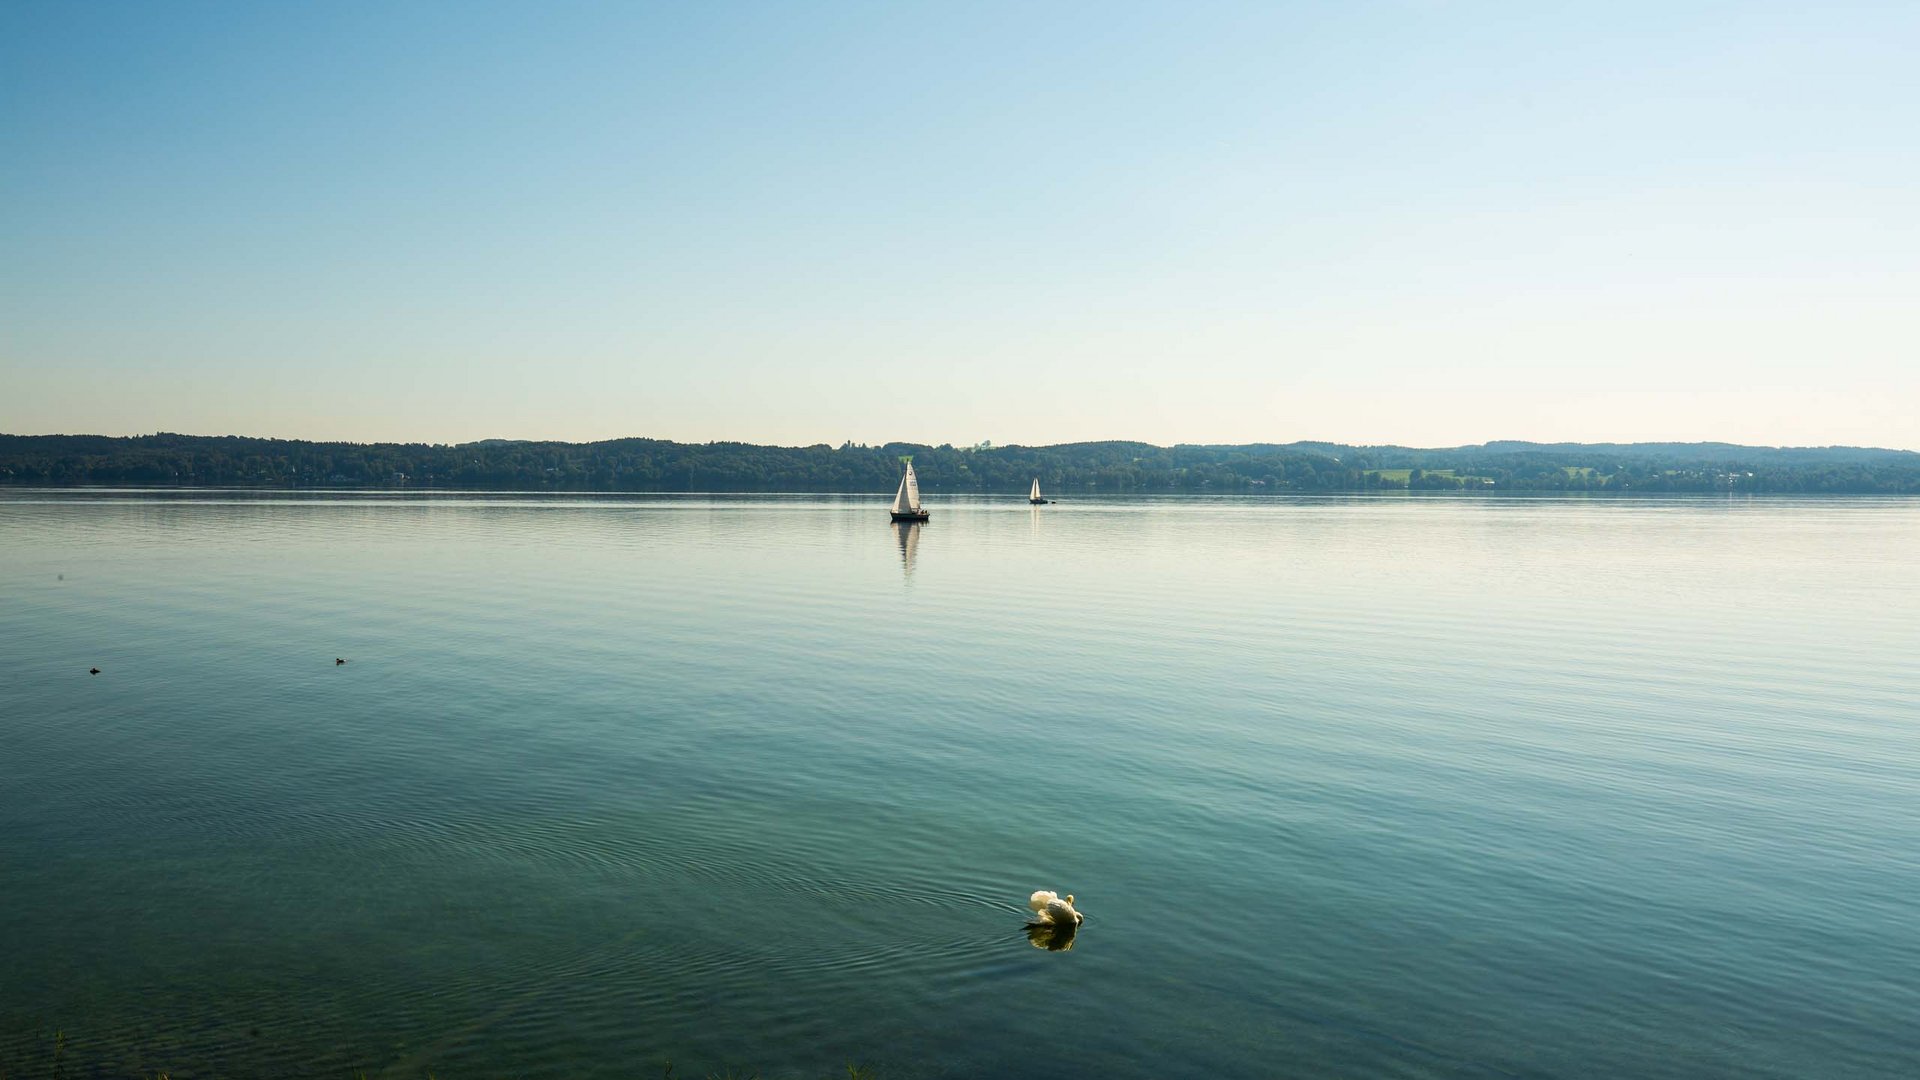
{"x": 1367, "y": 786}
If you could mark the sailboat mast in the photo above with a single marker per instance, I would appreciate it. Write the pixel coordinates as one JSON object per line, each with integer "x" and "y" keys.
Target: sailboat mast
{"x": 906, "y": 501}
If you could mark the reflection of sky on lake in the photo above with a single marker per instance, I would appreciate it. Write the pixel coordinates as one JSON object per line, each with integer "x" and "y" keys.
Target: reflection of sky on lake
{"x": 1355, "y": 786}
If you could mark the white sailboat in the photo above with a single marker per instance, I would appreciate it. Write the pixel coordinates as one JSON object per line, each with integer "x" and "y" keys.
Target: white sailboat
{"x": 1035, "y": 498}
{"x": 906, "y": 504}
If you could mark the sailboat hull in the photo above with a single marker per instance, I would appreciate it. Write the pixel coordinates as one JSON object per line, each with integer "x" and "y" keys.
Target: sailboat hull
{"x": 908, "y": 515}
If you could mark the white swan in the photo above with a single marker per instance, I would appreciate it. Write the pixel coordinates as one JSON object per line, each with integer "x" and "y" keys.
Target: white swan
{"x": 1051, "y": 909}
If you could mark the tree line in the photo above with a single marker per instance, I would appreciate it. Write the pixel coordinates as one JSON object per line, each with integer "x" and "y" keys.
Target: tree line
{"x": 1095, "y": 467}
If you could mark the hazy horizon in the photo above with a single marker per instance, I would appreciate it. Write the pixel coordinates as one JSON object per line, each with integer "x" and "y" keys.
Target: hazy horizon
{"x": 1375, "y": 224}
{"x": 961, "y": 443}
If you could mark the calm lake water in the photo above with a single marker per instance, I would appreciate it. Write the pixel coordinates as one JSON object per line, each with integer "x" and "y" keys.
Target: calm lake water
{"x": 1371, "y": 787}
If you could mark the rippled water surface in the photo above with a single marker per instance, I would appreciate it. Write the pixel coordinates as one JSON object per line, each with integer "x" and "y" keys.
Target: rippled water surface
{"x": 1390, "y": 787}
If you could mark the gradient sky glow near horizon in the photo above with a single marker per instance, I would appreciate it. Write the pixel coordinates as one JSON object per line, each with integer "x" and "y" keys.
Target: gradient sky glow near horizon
{"x": 1419, "y": 223}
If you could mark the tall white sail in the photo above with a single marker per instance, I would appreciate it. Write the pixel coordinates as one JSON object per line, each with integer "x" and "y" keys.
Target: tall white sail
{"x": 900, "y": 498}
{"x": 1036, "y": 490}
{"x": 910, "y": 487}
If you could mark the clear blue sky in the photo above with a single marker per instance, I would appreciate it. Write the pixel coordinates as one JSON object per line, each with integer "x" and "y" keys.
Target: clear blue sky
{"x": 1424, "y": 223}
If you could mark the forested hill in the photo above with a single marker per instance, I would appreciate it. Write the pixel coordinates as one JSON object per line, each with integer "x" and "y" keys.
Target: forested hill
{"x": 1066, "y": 469}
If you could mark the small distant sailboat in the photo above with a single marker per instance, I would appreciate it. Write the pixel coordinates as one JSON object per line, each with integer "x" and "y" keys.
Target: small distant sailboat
{"x": 906, "y": 504}
{"x": 1035, "y": 498}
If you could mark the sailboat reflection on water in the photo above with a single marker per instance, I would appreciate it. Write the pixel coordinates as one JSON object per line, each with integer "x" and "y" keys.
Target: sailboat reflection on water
{"x": 909, "y": 543}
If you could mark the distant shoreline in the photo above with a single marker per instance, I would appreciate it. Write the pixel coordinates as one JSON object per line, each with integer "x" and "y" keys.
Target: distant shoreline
{"x": 634, "y": 466}
{"x": 1064, "y": 500}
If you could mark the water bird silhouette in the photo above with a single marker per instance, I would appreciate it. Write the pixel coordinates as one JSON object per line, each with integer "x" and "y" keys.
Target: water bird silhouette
{"x": 93, "y": 671}
{"x": 1051, "y": 909}
{"x": 337, "y": 661}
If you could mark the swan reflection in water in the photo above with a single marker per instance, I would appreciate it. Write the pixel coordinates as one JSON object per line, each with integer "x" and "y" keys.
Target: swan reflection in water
{"x": 909, "y": 543}
{"x": 1055, "y": 921}
{"x": 1053, "y": 937}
